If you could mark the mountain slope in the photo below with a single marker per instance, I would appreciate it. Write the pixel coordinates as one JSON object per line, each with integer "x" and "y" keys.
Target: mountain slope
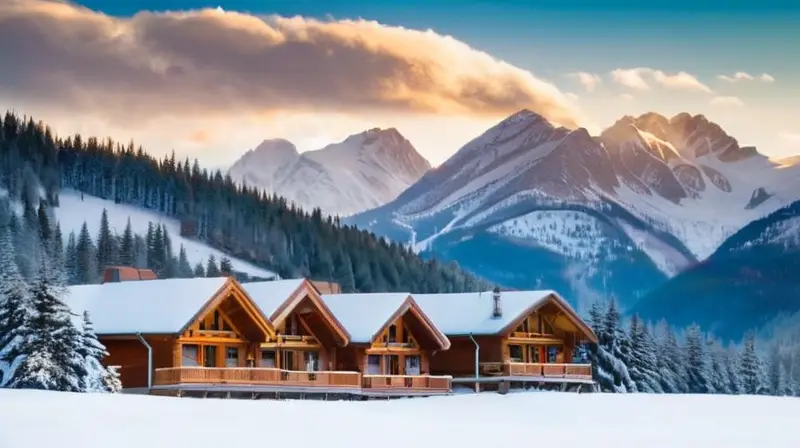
{"x": 749, "y": 282}
{"x": 364, "y": 171}
{"x": 615, "y": 214}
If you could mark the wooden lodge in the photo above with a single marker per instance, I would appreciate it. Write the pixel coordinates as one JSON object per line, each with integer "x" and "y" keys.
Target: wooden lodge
{"x": 215, "y": 336}
{"x": 510, "y": 338}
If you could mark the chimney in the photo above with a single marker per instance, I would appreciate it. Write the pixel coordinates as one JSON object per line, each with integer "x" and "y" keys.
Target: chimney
{"x": 497, "y": 310}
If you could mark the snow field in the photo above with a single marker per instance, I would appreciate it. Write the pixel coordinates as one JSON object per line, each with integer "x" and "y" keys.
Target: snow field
{"x": 43, "y": 419}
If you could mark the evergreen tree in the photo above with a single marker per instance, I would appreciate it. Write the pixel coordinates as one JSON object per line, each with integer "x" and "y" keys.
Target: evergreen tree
{"x": 71, "y": 260}
{"x": 225, "y": 266}
{"x": 343, "y": 274}
{"x": 58, "y": 249}
{"x": 212, "y": 270}
{"x": 775, "y": 372}
{"x": 105, "y": 255}
{"x": 750, "y": 367}
{"x": 127, "y": 252}
{"x": 92, "y": 352}
{"x": 671, "y": 365}
{"x": 15, "y": 309}
{"x": 643, "y": 365}
{"x": 184, "y": 268}
{"x": 87, "y": 258}
{"x": 732, "y": 371}
{"x": 50, "y": 356}
{"x": 697, "y": 371}
{"x": 199, "y": 271}
{"x": 140, "y": 252}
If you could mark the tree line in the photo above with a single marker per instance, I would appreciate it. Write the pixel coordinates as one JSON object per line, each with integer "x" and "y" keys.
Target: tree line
{"x": 239, "y": 220}
{"x": 640, "y": 357}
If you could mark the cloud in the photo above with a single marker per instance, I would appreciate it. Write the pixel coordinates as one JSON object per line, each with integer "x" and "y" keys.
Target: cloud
{"x": 727, "y": 101}
{"x": 744, "y": 76}
{"x": 572, "y": 96}
{"x": 590, "y": 81}
{"x": 626, "y": 97}
{"x": 640, "y": 78}
{"x": 212, "y": 62}
{"x": 793, "y": 137}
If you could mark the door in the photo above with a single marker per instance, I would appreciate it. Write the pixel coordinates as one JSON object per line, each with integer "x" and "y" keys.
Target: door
{"x": 209, "y": 356}
{"x": 288, "y": 360}
{"x": 392, "y": 363}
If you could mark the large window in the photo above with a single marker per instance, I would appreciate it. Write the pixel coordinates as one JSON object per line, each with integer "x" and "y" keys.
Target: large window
{"x": 231, "y": 357}
{"x": 209, "y": 356}
{"x": 373, "y": 365}
{"x": 311, "y": 360}
{"x": 412, "y": 365}
{"x": 268, "y": 359}
{"x": 189, "y": 355}
{"x": 515, "y": 353}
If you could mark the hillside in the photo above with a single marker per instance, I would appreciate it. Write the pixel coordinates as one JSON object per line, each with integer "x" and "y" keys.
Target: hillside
{"x": 363, "y": 171}
{"x": 240, "y": 221}
{"x": 748, "y": 283}
{"x": 528, "y": 204}
{"x": 36, "y": 418}
{"x": 74, "y": 209}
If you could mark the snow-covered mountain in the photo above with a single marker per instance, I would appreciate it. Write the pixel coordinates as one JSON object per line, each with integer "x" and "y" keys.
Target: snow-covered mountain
{"x": 527, "y": 203}
{"x": 364, "y": 171}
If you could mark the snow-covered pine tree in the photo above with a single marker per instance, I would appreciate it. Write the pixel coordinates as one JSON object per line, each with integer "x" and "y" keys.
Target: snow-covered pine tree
{"x": 112, "y": 381}
{"x": 93, "y": 353}
{"x": 750, "y": 367}
{"x": 718, "y": 375}
{"x": 15, "y": 308}
{"x": 50, "y": 355}
{"x": 775, "y": 371}
{"x": 643, "y": 365}
{"x": 608, "y": 369}
{"x": 671, "y": 366}
{"x": 697, "y": 369}
{"x": 225, "y": 266}
{"x": 731, "y": 361}
{"x": 71, "y": 260}
{"x": 58, "y": 248}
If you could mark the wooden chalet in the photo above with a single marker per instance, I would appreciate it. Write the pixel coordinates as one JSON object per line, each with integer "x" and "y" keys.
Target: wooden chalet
{"x": 166, "y": 333}
{"x": 504, "y": 339}
{"x": 391, "y": 343}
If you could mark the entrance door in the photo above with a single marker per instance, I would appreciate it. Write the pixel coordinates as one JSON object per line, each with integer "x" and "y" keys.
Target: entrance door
{"x": 392, "y": 363}
{"x": 288, "y": 360}
{"x": 209, "y": 356}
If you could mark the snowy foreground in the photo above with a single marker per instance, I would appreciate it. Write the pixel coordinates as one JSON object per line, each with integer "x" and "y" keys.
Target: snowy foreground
{"x": 45, "y": 419}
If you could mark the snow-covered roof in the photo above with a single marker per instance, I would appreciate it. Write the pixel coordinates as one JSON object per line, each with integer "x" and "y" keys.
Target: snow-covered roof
{"x": 270, "y": 295}
{"x": 364, "y": 315}
{"x": 147, "y": 306}
{"x": 465, "y": 313}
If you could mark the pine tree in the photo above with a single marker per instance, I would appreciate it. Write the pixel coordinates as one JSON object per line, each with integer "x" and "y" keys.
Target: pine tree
{"x": 112, "y": 381}
{"x": 15, "y": 309}
{"x": 750, "y": 367}
{"x": 671, "y": 366}
{"x": 105, "y": 244}
{"x": 199, "y": 270}
{"x": 212, "y": 270}
{"x": 732, "y": 371}
{"x": 127, "y": 250}
{"x": 643, "y": 365}
{"x": 696, "y": 363}
{"x": 718, "y": 378}
{"x": 225, "y": 266}
{"x": 87, "y": 257}
{"x": 184, "y": 268}
{"x": 92, "y": 352}
{"x": 50, "y": 356}
{"x": 71, "y": 261}
{"x": 58, "y": 249}
{"x": 343, "y": 274}
{"x": 775, "y": 372}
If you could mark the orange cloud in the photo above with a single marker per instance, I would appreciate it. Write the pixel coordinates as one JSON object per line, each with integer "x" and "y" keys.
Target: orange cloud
{"x": 210, "y": 61}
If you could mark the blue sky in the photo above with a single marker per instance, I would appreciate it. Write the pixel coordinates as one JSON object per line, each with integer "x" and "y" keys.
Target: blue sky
{"x": 553, "y": 39}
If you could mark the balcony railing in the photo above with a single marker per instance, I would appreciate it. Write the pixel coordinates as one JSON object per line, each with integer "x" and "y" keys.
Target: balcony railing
{"x": 548, "y": 370}
{"x": 284, "y": 338}
{"x": 254, "y": 376}
{"x": 407, "y": 382}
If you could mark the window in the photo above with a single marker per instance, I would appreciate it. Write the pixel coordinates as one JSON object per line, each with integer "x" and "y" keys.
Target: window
{"x": 392, "y": 334}
{"x": 209, "y": 356}
{"x": 268, "y": 358}
{"x": 189, "y": 355}
{"x": 412, "y": 365}
{"x": 545, "y": 326}
{"x": 533, "y": 354}
{"x": 515, "y": 353}
{"x": 393, "y": 362}
{"x": 554, "y": 354}
{"x": 215, "y": 322}
{"x": 231, "y": 357}
{"x": 311, "y": 360}
{"x": 373, "y": 365}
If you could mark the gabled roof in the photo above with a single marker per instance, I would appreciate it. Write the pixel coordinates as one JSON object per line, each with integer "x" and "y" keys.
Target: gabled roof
{"x": 278, "y": 298}
{"x": 461, "y": 314}
{"x": 365, "y": 316}
{"x": 151, "y": 306}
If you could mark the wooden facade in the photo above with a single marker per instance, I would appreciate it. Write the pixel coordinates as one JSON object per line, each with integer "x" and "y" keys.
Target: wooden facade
{"x": 536, "y": 346}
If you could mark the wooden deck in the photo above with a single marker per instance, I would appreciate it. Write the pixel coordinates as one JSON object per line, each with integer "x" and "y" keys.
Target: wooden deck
{"x": 270, "y": 380}
{"x": 538, "y": 370}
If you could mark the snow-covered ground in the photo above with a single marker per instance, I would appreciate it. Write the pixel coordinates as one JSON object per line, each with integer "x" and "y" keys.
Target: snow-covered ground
{"x": 72, "y": 212}
{"x": 30, "y": 419}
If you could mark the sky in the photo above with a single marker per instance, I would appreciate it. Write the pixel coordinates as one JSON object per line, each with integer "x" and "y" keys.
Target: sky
{"x": 212, "y": 79}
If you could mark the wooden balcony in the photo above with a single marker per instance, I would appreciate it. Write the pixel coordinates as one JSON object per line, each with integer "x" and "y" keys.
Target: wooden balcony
{"x": 176, "y": 376}
{"x": 289, "y": 339}
{"x": 544, "y": 370}
{"x": 421, "y": 384}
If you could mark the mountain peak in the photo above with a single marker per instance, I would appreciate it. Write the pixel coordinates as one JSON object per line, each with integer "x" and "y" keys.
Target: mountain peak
{"x": 276, "y": 145}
